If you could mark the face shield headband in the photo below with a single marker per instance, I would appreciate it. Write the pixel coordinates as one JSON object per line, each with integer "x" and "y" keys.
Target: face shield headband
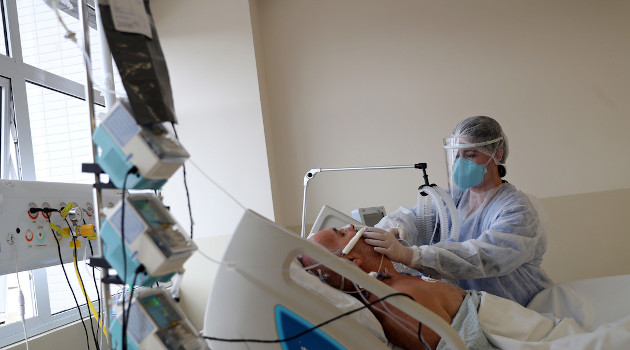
{"x": 472, "y": 145}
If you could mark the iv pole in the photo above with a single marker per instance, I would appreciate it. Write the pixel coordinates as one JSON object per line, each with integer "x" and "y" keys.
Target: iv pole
{"x": 311, "y": 174}
{"x": 89, "y": 97}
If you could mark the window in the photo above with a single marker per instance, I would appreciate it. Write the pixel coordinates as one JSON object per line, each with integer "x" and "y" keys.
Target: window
{"x": 45, "y": 136}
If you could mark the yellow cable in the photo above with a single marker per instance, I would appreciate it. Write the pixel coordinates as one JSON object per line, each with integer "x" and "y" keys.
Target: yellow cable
{"x": 92, "y": 308}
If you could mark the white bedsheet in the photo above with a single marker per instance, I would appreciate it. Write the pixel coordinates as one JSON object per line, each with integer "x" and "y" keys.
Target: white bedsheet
{"x": 585, "y": 314}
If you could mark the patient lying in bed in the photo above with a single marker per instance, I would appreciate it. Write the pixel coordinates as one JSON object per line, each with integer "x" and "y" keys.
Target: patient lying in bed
{"x": 482, "y": 320}
{"x": 450, "y": 302}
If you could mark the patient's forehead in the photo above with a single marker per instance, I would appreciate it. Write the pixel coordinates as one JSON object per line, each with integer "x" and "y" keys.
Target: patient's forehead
{"x": 333, "y": 238}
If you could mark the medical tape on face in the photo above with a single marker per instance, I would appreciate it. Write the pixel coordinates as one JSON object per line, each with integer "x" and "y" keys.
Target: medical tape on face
{"x": 473, "y": 145}
{"x": 353, "y": 241}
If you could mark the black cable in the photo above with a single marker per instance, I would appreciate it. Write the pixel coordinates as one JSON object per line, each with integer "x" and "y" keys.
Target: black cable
{"x": 98, "y": 293}
{"x": 122, "y": 239}
{"x": 424, "y": 342}
{"x": 310, "y": 329}
{"x": 74, "y": 255}
{"x": 69, "y": 285}
{"x": 185, "y": 187}
{"x": 76, "y": 266}
{"x": 135, "y": 275}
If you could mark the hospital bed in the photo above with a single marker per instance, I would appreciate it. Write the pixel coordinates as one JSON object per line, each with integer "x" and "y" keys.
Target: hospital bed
{"x": 261, "y": 293}
{"x": 255, "y": 297}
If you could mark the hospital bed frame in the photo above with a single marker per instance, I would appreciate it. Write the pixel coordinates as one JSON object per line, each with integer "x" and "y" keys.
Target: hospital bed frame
{"x": 253, "y": 284}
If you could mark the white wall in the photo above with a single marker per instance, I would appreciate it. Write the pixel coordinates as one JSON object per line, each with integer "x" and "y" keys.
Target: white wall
{"x": 370, "y": 82}
{"x": 209, "y": 52}
{"x": 588, "y": 235}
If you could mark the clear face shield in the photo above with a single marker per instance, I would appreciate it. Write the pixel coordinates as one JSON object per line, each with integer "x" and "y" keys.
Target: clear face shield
{"x": 462, "y": 159}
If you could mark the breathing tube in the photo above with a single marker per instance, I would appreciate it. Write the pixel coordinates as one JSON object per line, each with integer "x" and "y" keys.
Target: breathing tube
{"x": 442, "y": 200}
{"x": 452, "y": 209}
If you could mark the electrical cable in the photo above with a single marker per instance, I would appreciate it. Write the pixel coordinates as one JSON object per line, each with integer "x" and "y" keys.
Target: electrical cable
{"x": 192, "y": 223}
{"x": 395, "y": 317}
{"x": 122, "y": 239}
{"x": 135, "y": 275}
{"x": 264, "y": 341}
{"x": 20, "y": 296}
{"x": 87, "y": 298}
{"x": 92, "y": 275}
{"x": 399, "y": 320}
{"x": 98, "y": 294}
{"x": 216, "y": 184}
{"x": 87, "y": 338}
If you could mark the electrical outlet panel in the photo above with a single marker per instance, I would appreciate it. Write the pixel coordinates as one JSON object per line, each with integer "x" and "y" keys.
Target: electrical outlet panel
{"x": 36, "y": 216}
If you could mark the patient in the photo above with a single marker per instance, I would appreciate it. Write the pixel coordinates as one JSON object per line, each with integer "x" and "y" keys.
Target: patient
{"x": 442, "y": 298}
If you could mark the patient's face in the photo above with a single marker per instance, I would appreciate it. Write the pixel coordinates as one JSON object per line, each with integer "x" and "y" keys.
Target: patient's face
{"x": 334, "y": 240}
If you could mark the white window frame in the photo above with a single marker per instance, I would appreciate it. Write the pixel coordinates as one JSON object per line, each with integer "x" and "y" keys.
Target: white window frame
{"x": 14, "y": 75}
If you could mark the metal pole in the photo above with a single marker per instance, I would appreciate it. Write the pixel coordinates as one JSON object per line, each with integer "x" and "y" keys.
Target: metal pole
{"x": 89, "y": 97}
{"x": 311, "y": 174}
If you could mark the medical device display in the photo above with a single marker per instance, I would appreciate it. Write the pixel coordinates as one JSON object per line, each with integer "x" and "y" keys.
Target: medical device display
{"x": 156, "y": 322}
{"x": 369, "y": 216}
{"x": 153, "y": 239}
{"x": 35, "y": 215}
{"x": 125, "y": 144}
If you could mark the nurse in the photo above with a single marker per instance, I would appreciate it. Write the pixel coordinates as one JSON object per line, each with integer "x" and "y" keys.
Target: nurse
{"x": 501, "y": 242}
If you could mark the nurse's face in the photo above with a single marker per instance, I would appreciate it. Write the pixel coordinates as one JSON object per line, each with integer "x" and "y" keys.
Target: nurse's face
{"x": 474, "y": 155}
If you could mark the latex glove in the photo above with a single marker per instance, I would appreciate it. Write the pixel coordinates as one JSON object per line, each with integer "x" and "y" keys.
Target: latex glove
{"x": 398, "y": 232}
{"x": 385, "y": 242}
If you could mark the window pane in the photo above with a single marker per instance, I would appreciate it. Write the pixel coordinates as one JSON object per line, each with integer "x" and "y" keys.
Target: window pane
{"x": 62, "y": 140}
{"x": 9, "y": 302}
{"x": 60, "y": 296}
{"x": 44, "y": 44}
{"x": 3, "y": 37}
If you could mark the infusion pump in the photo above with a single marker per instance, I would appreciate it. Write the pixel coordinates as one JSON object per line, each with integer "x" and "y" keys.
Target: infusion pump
{"x": 156, "y": 323}
{"x": 124, "y": 144}
{"x": 153, "y": 239}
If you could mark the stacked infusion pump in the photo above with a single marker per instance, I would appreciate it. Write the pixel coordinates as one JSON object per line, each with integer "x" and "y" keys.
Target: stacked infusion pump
{"x": 141, "y": 240}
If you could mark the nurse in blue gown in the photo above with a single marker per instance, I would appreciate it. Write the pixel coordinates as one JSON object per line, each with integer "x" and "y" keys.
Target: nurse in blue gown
{"x": 501, "y": 242}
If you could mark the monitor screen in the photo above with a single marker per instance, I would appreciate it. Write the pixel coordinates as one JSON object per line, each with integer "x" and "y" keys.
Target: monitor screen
{"x": 150, "y": 213}
{"x": 372, "y": 218}
{"x": 160, "y": 309}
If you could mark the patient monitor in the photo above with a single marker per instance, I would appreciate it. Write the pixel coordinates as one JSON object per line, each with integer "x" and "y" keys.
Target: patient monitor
{"x": 156, "y": 322}
{"x": 152, "y": 239}
{"x": 369, "y": 216}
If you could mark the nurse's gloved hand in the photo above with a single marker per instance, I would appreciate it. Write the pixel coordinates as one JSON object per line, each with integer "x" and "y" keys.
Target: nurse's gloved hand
{"x": 385, "y": 242}
{"x": 398, "y": 232}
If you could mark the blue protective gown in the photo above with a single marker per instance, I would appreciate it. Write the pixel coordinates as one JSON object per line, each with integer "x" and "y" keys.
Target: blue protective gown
{"x": 499, "y": 249}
